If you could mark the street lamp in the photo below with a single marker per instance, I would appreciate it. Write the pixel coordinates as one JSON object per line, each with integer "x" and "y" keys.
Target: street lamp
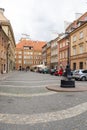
{"x": 7, "y": 55}
{"x": 67, "y": 82}
{"x": 68, "y": 50}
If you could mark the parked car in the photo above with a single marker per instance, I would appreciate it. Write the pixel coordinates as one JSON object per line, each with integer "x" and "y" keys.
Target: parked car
{"x": 80, "y": 74}
{"x": 40, "y": 70}
{"x": 52, "y": 71}
{"x": 46, "y": 70}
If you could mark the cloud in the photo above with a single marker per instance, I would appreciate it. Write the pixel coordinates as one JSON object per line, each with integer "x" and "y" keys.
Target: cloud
{"x": 40, "y": 18}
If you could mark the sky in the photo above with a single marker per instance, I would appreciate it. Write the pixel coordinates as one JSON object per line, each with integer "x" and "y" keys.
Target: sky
{"x": 41, "y": 20}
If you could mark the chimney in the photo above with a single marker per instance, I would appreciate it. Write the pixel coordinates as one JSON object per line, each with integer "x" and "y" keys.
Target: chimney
{"x": 2, "y": 10}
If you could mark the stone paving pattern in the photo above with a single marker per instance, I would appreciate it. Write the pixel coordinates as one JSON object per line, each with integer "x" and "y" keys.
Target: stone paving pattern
{"x": 26, "y": 104}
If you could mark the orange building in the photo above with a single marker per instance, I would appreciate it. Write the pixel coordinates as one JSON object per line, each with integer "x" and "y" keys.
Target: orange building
{"x": 28, "y": 53}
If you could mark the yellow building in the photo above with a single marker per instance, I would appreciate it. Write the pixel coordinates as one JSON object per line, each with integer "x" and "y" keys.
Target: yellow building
{"x": 79, "y": 46}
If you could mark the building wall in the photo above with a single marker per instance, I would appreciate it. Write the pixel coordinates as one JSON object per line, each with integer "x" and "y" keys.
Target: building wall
{"x": 48, "y": 55}
{"x": 3, "y": 51}
{"x": 7, "y": 28}
{"x": 79, "y": 47}
{"x": 63, "y": 52}
{"x": 44, "y": 54}
{"x": 54, "y": 54}
{"x": 28, "y": 53}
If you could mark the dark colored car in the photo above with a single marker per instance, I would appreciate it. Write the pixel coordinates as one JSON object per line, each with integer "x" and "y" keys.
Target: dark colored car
{"x": 46, "y": 70}
{"x": 52, "y": 71}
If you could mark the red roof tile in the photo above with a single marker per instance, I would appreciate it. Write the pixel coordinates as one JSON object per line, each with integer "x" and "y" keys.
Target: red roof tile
{"x": 37, "y": 45}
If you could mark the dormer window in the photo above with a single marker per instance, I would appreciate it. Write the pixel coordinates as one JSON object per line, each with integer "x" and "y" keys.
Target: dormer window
{"x": 79, "y": 24}
{"x": 28, "y": 47}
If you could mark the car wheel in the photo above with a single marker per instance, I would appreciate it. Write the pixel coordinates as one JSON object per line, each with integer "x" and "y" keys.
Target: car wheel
{"x": 83, "y": 78}
{"x": 76, "y": 79}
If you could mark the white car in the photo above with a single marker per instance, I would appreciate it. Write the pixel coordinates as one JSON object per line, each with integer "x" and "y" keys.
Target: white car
{"x": 80, "y": 74}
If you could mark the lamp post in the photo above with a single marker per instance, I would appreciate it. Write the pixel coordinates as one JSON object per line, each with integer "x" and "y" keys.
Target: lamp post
{"x": 67, "y": 82}
{"x": 7, "y": 55}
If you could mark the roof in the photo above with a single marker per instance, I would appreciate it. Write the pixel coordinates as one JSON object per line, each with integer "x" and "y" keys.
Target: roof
{"x": 74, "y": 23}
{"x": 37, "y": 45}
{"x": 5, "y": 22}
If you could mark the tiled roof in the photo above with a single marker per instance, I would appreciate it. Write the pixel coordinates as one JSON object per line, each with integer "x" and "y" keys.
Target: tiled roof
{"x": 74, "y": 23}
{"x": 37, "y": 45}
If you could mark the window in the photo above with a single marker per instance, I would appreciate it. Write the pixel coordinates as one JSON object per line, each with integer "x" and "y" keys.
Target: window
{"x": 25, "y": 52}
{"x": 79, "y": 24}
{"x": 74, "y": 66}
{"x": 25, "y": 57}
{"x": 81, "y": 49}
{"x": 74, "y": 51}
{"x": 81, "y": 65}
{"x": 60, "y": 45}
{"x": 81, "y": 35}
{"x": 20, "y": 52}
{"x": 19, "y": 61}
{"x": 84, "y": 71}
{"x": 31, "y": 53}
{"x": 39, "y": 53}
{"x": 60, "y": 55}
{"x": 19, "y": 56}
{"x": 74, "y": 38}
{"x": 63, "y": 44}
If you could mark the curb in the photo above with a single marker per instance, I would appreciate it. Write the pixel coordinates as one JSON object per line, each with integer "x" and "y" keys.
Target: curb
{"x": 57, "y": 88}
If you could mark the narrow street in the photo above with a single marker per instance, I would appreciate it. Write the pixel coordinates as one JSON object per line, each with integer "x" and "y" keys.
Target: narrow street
{"x": 26, "y": 104}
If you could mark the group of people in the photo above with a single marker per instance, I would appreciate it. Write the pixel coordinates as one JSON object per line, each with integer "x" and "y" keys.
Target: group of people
{"x": 66, "y": 73}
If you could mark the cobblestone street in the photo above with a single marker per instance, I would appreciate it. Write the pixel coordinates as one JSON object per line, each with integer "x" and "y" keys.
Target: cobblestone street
{"x": 26, "y": 104}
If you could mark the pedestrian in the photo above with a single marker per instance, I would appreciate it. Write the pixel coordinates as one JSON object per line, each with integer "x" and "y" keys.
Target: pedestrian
{"x": 60, "y": 71}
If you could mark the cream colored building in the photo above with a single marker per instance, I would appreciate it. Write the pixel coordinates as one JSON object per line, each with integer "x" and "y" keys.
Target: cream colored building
{"x": 48, "y": 54}
{"x": 54, "y": 53}
{"x": 3, "y": 51}
{"x": 6, "y": 26}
